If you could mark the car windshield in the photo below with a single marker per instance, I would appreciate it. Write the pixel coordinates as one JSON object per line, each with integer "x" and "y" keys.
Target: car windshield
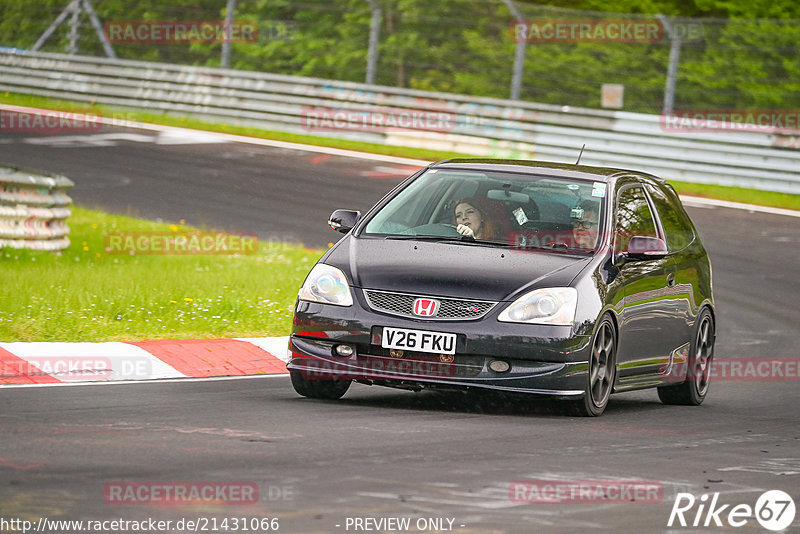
{"x": 526, "y": 211}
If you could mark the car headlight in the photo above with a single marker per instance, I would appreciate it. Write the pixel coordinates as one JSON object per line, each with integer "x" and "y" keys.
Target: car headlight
{"x": 327, "y": 285}
{"x": 555, "y": 305}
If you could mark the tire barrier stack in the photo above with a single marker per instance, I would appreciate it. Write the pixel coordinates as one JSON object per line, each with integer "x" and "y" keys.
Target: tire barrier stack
{"x": 33, "y": 210}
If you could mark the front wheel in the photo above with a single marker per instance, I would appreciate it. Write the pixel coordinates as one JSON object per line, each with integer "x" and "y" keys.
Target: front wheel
{"x": 692, "y": 392}
{"x": 602, "y": 371}
{"x": 318, "y": 389}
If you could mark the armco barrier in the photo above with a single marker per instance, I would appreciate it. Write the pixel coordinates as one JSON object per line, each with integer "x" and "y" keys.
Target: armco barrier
{"x": 33, "y": 210}
{"x": 476, "y": 125}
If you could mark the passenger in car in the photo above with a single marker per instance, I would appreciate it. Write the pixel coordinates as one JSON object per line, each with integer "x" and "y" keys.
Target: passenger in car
{"x": 471, "y": 219}
{"x": 584, "y": 229}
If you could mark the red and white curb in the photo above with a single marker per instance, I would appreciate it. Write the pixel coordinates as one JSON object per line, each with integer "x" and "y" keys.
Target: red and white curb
{"x": 54, "y": 363}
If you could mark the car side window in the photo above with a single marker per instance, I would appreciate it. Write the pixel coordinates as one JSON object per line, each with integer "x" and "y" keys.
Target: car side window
{"x": 676, "y": 224}
{"x": 633, "y": 217}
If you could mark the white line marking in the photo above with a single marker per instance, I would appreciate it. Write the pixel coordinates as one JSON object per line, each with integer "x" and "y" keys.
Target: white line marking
{"x": 142, "y": 382}
{"x": 701, "y": 202}
{"x": 91, "y": 140}
{"x": 775, "y": 466}
{"x": 478, "y": 502}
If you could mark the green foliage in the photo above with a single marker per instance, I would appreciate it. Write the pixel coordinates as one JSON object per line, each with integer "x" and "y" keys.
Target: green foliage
{"x": 748, "y": 55}
{"x": 86, "y": 294}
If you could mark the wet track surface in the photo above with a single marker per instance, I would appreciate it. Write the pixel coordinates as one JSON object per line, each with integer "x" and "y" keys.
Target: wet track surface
{"x": 378, "y": 452}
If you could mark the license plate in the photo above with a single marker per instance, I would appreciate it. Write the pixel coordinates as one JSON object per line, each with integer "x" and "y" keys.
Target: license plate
{"x": 419, "y": 340}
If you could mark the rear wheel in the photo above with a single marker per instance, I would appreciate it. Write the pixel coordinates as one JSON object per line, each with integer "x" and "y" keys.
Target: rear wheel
{"x": 602, "y": 371}
{"x": 692, "y": 392}
{"x": 318, "y": 389}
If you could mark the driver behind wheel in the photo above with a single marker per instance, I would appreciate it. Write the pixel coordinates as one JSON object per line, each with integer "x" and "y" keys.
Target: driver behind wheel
{"x": 470, "y": 218}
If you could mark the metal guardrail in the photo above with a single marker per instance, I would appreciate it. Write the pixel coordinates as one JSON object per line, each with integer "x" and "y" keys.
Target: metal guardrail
{"x": 475, "y": 125}
{"x": 33, "y": 210}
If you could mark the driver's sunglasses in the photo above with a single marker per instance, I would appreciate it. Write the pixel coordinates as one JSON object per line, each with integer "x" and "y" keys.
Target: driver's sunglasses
{"x": 583, "y": 225}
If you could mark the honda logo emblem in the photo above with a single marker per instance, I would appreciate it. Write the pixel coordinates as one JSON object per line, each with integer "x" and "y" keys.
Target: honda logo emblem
{"x": 426, "y": 307}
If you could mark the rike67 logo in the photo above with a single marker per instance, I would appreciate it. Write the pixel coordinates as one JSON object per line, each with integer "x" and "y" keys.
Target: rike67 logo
{"x": 774, "y": 510}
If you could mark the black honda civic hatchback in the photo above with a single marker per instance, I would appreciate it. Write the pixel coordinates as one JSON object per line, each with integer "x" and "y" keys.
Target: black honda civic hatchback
{"x": 569, "y": 281}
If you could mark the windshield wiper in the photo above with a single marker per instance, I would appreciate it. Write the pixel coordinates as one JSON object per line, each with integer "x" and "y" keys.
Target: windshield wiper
{"x": 448, "y": 239}
{"x": 485, "y": 242}
{"x": 423, "y": 237}
{"x": 554, "y": 247}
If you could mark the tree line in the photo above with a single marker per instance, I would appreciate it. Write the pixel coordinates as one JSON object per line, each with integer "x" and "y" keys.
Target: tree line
{"x": 746, "y": 54}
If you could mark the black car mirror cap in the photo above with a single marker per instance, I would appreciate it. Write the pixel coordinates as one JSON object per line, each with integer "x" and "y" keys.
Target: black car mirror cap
{"x": 343, "y": 220}
{"x": 646, "y": 248}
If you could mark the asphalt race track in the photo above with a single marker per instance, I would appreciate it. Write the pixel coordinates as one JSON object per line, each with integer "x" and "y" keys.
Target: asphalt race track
{"x": 321, "y": 466}
{"x": 275, "y": 193}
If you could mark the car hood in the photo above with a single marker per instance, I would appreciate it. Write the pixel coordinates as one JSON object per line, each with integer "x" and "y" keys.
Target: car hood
{"x": 450, "y": 269}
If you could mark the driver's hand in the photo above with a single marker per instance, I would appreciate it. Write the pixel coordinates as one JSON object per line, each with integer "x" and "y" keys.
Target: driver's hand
{"x": 465, "y": 230}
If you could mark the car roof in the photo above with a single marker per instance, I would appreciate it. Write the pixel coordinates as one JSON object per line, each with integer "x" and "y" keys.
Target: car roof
{"x": 603, "y": 174}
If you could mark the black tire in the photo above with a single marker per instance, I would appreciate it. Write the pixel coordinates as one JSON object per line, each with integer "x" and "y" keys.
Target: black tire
{"x": 318, "y": 389}
{"x": 602, "y": 372}
{"x": 693, "y": 391}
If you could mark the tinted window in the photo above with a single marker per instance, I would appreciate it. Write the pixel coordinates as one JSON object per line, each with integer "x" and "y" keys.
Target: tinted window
{"x": 677, "y": 226}
{"x": 633, "y": 217}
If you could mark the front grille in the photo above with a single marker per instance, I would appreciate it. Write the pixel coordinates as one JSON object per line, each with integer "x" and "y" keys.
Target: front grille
{"x": 449, "y": 309}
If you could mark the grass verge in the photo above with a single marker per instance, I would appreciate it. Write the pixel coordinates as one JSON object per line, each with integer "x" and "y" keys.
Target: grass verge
{"x": 739, "y": 194}
{"x": 86, "y": 294}
{"x": 734, "y": 194}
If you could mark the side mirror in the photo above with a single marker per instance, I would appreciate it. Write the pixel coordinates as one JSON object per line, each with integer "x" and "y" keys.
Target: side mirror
{"x": 646, "y": 248}
{"x": 343, "y": 220}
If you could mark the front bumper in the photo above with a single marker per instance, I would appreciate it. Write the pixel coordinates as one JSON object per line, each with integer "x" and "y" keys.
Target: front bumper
{"x": 546, "y": 360}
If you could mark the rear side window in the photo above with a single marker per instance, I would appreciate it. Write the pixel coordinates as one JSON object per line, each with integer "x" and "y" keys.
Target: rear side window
{"x": 633, "y": 217}
{"x": 677, "y": 226}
